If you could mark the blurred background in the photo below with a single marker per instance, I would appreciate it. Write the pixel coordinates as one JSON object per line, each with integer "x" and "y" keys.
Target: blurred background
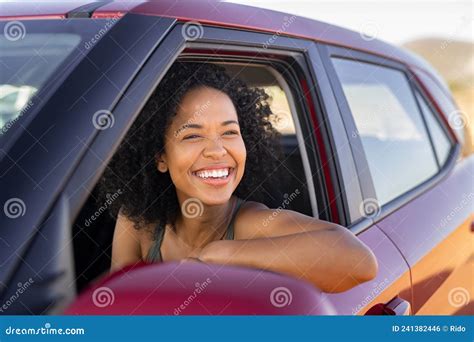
{"x": 439, "y": 31}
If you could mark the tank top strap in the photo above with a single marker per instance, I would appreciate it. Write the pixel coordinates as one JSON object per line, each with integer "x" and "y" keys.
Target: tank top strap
{"x": 154, "y": 254}
{"x": 230, "y": 228}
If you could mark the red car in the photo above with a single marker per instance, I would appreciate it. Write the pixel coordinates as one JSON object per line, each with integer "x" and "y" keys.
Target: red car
{"x": 371, "y": 136}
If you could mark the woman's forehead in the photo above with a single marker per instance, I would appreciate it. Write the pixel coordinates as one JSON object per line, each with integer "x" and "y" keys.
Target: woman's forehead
{"x": 205, "y": 105}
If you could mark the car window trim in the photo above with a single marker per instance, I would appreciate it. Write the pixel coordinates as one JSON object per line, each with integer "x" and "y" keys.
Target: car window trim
{"x": 177, "y": 43}
{"x": 329, "y": 52}
{"x": 418, "y": 89}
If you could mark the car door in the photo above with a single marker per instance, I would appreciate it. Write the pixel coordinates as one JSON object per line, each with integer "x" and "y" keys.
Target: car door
{"x": 390, "y": 292}
{"x": 328, "y": 153}
{"x": 419, "y": 189}
{"x": 47, "y": 141}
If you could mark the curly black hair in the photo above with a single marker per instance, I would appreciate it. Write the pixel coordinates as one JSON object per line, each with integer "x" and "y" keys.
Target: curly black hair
{"x": 148, "y": 196}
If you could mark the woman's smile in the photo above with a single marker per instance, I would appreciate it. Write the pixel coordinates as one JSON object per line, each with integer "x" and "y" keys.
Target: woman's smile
{"x": 215, "y": 176}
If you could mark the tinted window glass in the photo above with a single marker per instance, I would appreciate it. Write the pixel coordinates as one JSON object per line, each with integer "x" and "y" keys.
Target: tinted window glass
{"x": 34, "y": 55}
{"x": 390, "y": 126}
{"x": 25, "y": 65}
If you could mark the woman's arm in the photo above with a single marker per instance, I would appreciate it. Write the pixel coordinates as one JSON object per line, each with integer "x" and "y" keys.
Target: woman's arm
{"x": 326, "y": 254}
{"x": 126, "y": 244}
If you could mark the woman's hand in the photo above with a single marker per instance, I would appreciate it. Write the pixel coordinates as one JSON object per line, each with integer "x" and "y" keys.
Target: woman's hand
{"x": 216, "y": 251}
{"x": 190, "y": 259}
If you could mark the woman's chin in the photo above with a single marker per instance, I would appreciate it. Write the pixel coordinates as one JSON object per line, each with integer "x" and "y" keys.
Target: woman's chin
{"x": 215, "y": 199}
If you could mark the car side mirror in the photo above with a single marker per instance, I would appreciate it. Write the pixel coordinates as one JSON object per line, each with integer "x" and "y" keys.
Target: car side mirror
{"x": 193, "y": 288}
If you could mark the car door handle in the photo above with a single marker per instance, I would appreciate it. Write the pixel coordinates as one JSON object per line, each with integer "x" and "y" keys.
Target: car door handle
{"x": 396, "y": 307}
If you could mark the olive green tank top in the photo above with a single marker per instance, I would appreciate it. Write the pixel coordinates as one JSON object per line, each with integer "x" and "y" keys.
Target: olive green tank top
{"x": 154, "y": 254}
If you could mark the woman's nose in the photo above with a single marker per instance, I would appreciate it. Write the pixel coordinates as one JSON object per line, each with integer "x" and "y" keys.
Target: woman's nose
{"x": 214, "y": 149}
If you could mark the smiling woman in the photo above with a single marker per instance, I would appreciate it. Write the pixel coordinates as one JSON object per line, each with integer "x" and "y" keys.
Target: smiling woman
{"x": 189, "y": 168}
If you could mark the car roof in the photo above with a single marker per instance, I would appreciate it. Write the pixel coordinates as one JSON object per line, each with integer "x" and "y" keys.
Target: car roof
{"x": 222, "y": 13}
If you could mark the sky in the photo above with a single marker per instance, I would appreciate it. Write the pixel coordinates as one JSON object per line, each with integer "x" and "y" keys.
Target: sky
{"x": 393, "y": 21}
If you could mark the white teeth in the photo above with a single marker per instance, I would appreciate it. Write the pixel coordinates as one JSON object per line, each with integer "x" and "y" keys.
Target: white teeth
{"x": 213, "y": 173}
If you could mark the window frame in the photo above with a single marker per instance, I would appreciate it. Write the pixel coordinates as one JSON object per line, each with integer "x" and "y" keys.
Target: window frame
{"x": 418, "y": 88}
{"x": 328, "y": 52}
{"x": 175, "y": 43}
{"x": 51, "y": 165}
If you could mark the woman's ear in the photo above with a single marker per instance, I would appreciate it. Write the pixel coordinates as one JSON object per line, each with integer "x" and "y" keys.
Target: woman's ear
{"x": 161, "y": 163}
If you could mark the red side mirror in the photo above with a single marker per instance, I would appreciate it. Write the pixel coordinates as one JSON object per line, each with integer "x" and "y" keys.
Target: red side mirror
{"x": 199, "y": 289}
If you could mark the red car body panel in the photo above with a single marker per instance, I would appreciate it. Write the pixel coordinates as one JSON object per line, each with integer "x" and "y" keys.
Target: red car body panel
{"x": 199, "y": 289}
{"x": 393, "y": 278}
{"x": 438, "y": 248}
{"x": 40, "y": 10}
{"x": 259, "y": 19}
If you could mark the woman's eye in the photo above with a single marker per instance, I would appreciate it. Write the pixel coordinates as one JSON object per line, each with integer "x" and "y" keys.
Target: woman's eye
{"x": 231, "y": 133}
{"x": 192, "y": 136}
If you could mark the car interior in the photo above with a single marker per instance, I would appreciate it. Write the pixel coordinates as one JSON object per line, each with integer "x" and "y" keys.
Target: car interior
{"x": 93, "y": 242}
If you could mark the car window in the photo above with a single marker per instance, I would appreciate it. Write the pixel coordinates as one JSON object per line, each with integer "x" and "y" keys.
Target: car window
{"x": 390, "y": 126}
{"x": 34, "y": 56}
{"x": 264, "y": 78}
{"x": 281, "y": 119}
{"x": 293, "y": 190}
{"x": 294, "y": 183}
{"x": 25, "y": 65}
{"x": 441, "y": 141}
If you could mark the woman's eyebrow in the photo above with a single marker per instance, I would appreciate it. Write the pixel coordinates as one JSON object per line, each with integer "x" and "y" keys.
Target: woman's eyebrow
{"x": 188, "y": 125}
{"x": 191, "y": 125}
{"x": 228, "y": 122}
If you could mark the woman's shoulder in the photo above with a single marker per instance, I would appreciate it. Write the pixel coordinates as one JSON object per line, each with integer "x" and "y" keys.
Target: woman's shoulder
{"x": 256, "y": 220}
{"x": 245, "y": 219}
{"x": 130, "y": 241}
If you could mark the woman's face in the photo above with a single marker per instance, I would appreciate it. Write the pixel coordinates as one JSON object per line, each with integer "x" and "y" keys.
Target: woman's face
{"x": 204, "y": 150}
